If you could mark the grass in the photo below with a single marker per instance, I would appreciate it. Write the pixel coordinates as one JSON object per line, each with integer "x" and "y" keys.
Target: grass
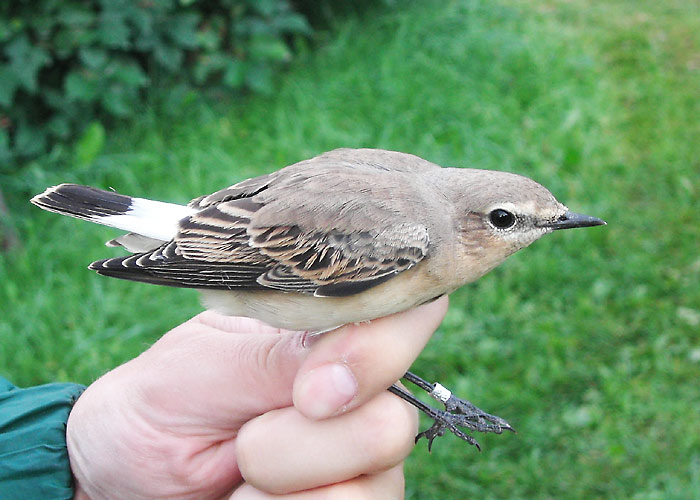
{"x": 587, "y": 342}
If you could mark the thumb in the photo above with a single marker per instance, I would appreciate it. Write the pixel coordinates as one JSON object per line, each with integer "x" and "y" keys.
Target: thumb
{"x": 351, "y": 365}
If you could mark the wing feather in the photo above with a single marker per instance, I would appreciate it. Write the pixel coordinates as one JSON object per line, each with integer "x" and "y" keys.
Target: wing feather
{"x": 328, "y": 226}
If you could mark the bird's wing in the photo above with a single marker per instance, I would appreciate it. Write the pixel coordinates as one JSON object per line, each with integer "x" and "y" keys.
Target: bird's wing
{"x": 320, "y": 227}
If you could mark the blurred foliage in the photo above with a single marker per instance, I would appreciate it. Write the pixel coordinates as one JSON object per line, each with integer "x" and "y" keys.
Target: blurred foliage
{"x": 65, "y": 64}
{"x": 324, "y": 13}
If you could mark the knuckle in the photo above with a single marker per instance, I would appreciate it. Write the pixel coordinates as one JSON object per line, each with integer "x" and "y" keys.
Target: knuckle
{"x": 386, "y": 485}
{"x": 390, "y": 427}
{"x": 247, "y": 449}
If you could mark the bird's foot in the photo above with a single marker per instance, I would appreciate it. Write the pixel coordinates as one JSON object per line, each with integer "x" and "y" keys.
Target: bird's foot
{"x": 475, "y": 418}
{"x": 461, "y": 413}
{"x": 457, "y": 413}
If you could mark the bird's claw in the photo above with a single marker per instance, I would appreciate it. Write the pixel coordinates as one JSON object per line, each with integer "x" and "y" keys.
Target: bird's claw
{"x": 442, "y": 422}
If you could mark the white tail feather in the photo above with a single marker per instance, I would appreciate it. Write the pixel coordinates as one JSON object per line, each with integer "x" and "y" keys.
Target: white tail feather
{"x": 153, "y": 219}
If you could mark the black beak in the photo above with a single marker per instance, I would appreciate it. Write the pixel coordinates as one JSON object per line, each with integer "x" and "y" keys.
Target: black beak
{"x": 570, "y": 220}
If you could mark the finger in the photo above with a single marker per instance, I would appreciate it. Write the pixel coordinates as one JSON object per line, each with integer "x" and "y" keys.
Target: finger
{"x": 284, "y": 451}
{"x": 348, "y": 366}
{"x": 386, "y": 485}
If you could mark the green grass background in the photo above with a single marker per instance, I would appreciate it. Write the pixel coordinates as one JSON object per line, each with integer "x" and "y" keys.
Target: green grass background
{"x": 587, "y": 342}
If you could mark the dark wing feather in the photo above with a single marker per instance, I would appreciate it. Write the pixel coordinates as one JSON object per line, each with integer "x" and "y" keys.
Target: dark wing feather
{"x": 210, "y": 251}
{"x": 327, "y": 226}
{"x": 166, "y": 266}
{"x": 335, "y": 263}
{"x": 244, "y": 189}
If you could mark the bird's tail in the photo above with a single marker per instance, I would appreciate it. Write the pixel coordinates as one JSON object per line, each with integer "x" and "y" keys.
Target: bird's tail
{"x": 152, "y": 219}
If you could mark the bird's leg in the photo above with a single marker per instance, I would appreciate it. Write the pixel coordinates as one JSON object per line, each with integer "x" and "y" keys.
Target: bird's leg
{"x": 457, "y": 413}
{"x": 442, "y": 419}
{"x": 484, "y": 422}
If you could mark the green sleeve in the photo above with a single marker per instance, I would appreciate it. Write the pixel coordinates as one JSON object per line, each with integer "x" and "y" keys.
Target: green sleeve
{"x": 33, "y": 454}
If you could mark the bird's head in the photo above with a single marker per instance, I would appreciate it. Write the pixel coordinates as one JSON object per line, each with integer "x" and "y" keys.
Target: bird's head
{"x": 500, "y": 213}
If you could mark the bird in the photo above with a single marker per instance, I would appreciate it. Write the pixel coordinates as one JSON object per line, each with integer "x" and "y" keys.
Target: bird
{"x": 347, "y": 236}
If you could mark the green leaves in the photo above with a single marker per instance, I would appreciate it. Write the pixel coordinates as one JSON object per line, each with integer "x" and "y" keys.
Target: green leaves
{"x": 81, "y": 86}
{"x": 67, "y": 63}
{"x": 25, "y": 61}
{"x": 8, "y": 84}
{"x": 183, "y": 30}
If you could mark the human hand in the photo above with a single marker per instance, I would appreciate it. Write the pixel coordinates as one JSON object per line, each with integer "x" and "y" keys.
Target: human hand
{"x": 223, "y": 407}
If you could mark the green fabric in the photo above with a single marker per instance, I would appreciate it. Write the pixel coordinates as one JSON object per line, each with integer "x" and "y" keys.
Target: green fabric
{"x": 33, "y": 454}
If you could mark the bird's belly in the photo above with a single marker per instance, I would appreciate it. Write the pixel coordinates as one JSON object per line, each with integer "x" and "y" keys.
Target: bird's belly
{"x": 295, "y": 311}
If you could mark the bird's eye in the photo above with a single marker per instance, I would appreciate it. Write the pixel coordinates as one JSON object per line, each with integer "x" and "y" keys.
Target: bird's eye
{"x": 501, "y": 219}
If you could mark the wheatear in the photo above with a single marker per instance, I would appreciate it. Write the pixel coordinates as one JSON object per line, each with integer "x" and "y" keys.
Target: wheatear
{"x": 347, "y": 236}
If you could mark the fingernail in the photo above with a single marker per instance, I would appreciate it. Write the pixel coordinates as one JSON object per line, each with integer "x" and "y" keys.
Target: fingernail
{"x": 325, "y": 390}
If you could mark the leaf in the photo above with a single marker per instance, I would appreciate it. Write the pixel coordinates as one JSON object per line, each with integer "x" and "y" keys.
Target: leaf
{"x": 118, "y": 101}
{"x": 8, "y": 85}
{"x": 209, "y": 64}
{"x": 268, "y": 48}
{"x": 59, "y": 126}
{"x": 265, "y": 7}
{"x": 90, "y": 144}
{"x": 253, "y": 27}
{"x": 67, "y": 40}
{"x": 128, "y": 72}
{"x": 113, "y": 30}
{"x": 292, "y": 23}
{"x": 43, "y": 25}
{"x": 208, "y": 39}
{"x": 74, "y": 16}
{"x": 169, "y": 57}
{"x": 26, "y": 61}
{"x": 94, "y": 58}
{"x": 81, "y": 86}
{"x": 29, "y": 140}
{"x": 182, "y": 29}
